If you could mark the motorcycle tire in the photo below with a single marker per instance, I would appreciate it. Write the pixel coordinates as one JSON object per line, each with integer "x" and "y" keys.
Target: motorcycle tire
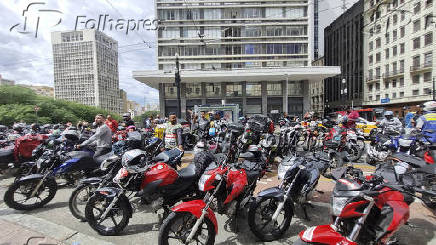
{"x": 73, "y": 201}
{"x": 184, "y": 218}
{"x": 354, "y": 153}
{"x": 336, "y": 161}
{"x": 428, "y": 202}
{"x": 12, "y": 203}
{"x": 121, "y": 205}
{"x": 274, "y": 234}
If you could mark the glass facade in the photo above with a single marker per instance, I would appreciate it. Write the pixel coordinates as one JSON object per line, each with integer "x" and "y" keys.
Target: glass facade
{"x": 253, "y": 89}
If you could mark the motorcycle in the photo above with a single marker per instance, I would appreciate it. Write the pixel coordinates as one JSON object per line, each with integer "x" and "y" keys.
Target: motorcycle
{"x": 383, "y": 143}
{"x": 366, "y": 210}
{"x": 299, "y": 177}
{"x": 157, "y": 184}
{"x": 228, "y": 187}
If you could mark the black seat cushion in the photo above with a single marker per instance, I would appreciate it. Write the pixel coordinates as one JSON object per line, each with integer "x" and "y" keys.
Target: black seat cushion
{"x": 188, "y": 173}
{"x": 252, "y": 175}
{"x": 416, "y": 162}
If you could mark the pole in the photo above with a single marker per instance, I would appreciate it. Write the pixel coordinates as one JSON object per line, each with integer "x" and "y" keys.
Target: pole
{"x": 434, "y": 91}
{"x": 177, "y": 83}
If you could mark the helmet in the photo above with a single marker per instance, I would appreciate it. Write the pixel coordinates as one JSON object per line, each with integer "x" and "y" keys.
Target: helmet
{"x": 429, "y": 106}
{"x": 18, "y": 127}
{"x": 131, "y": 127}
{"x": 388, "y": 113}
{"x": 126, "y": 115}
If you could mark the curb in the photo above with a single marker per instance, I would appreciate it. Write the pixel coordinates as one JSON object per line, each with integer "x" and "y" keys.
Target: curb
{"x": 58, "y": 232}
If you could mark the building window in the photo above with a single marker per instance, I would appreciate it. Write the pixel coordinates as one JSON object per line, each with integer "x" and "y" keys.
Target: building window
{"x": 403, "y": 15}
{"x": 428, "y": 38}
{"x": 417, "y": 8}
{"x": 377, "y": 57}
{"x": 377, "y": 87}
{"x": 394, "y": 35}
{"x": 386, "y": 96}
{"x": 394, "y": 51}
{"x": 427, "y": 91}
{"x": 213, "y": 90}
{"x": 402, "y": 48}
{"x": 370, "y": 98}
{"x": 401, "y": 82}
{"x": 253, "y": 89}
{"x": 370, "y": 59}
{"x": 394, "y": 95}
{"x": 401, "y": 94}
{"x": 428, "y": 3}
{"x": 428, "y": 59}
{"x": 427, "y": 77}
{"x": 415, "y": 79}
{"x": 402, "y": 32}
{"x": 395, "y": 19}
{"x": 387, "y": 38}
{"x": 416, "y": 43}
{"x": 387, "y": 53}
{"x": 394, "y": 83}
{"x": 415, "y": 61}
{"x": 415, "y": 92}
{"x": 234, "y": 90}
{"x": 378, "y": 43}
{"x": 170, "y": 91}
{"x": 416, "y": 26}
{"x": 428, "y": 21}
{"x": 274, "y": 88}
{"x": 386, "y": 85}
{"x": 377, "y": 97}
{"x": 394, "y": 67}
{"x": 401, "y": 66}
{"x": 193, "y": 90}
{"x": 377, "y": 72}
{"x": 370, "y": 87}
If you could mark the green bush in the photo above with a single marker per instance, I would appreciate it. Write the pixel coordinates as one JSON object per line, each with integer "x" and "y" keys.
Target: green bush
{"x": 17, "y": 105}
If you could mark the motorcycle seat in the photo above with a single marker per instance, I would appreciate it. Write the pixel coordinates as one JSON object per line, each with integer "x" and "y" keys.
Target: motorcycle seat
{"x": 187, "y": 174}
{"x": 78, "y": 154}
{"x": 252, "y": 175}
{"x": 416, "y": 162}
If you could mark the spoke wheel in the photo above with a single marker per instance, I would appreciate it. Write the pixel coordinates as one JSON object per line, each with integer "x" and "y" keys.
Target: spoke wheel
{"x": 78, "y": 200}
{"x": 19, "y": 194}
{"x": 260, "y": 219}
{"x": 177, "y": 226}
{"x": 116, "y": 219}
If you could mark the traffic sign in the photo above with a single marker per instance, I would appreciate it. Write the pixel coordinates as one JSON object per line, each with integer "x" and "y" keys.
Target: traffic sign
{"x": 385, "y": 100}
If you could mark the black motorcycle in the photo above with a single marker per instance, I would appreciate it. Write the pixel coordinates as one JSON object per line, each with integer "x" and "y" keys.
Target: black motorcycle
{"x": 270, "y": 215}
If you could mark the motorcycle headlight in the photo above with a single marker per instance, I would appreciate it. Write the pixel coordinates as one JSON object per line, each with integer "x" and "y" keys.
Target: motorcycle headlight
{"x": 338, "y": 204}
{"x": 202, "y": 182}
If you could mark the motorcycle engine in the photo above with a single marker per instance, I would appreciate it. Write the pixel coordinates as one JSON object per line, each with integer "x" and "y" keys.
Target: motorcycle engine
{"x": 231, "y": 208}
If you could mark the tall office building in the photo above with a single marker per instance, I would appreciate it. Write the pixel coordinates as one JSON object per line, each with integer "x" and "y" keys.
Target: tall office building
{"x": 86, "y": 68}
{"x": 399, "y": 53}
{"x": 343, "y": 46}
{"x": 256, "y": 54}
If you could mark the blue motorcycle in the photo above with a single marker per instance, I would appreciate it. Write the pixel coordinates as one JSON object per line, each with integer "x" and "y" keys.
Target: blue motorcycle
{"x": 35, "y": 190}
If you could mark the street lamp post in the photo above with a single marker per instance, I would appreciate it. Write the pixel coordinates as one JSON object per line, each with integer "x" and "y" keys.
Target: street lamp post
{"x": 177, "y": 81}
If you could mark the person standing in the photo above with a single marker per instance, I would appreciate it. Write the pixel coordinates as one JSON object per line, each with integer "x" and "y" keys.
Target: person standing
{"x": 173, "y": 133}
{"x": 102, "y": 137}
{"x": 111, "y": 123}
{"x": 427, "y": 122}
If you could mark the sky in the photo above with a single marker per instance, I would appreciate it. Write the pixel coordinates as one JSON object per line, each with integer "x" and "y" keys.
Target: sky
{"x": 26, "y": 53}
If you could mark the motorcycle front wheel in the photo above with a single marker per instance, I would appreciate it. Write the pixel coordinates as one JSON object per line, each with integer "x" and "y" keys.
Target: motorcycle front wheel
{"x": 260, "y": 219}
{"x": 19, "y": 194}
{"x": 116, "y": 219}
{"x": 78, "y": 200}
{"x": 178, "y": 225}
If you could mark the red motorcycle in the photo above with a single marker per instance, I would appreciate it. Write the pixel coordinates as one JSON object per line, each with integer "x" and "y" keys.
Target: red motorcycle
{"x": 365, "y": 211}
{"x": 158, "y": 184}
{"x": 229, "y": 188}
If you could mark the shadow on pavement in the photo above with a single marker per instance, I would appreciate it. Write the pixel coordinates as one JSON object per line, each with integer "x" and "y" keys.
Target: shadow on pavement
{"x": 50, "y": 206}
{"x": 423, "y": 233}
{"x": 140, "y": 228}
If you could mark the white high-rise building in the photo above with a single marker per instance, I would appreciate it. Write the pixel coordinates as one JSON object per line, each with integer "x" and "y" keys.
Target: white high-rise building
{"x": 86, "y": 68}
{"x": 256, "y": 54}
{"x": 399, "y": 64}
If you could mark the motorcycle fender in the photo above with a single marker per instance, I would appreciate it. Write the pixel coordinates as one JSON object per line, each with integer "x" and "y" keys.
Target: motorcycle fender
{"x": 273, "y": 192}
{"x": 361, "y": 138}
{"x": 195, "y": 207}
{"x": 151, "y": 187}
{"x": 111, "y": 192}
{"x": 324, "y": 234}
{"x": 93, "y": 180}
{"x": 31, "y": 177}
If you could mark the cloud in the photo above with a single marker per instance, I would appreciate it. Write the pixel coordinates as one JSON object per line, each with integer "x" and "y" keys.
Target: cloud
{"x": 28, "y": 60}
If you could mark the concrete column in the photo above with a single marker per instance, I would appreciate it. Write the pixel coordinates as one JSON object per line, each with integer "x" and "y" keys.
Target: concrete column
{"x": 306, "y": 96}
{"x": 223, "y": 91}
{"x": 244, "y": 98}
{"x": 264, "y": 99}
{"x": 162, "y": 100}
{"x": 183, "y": 99}
{"x": 203, "y": 92}
{"x": 285, "y": 94}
